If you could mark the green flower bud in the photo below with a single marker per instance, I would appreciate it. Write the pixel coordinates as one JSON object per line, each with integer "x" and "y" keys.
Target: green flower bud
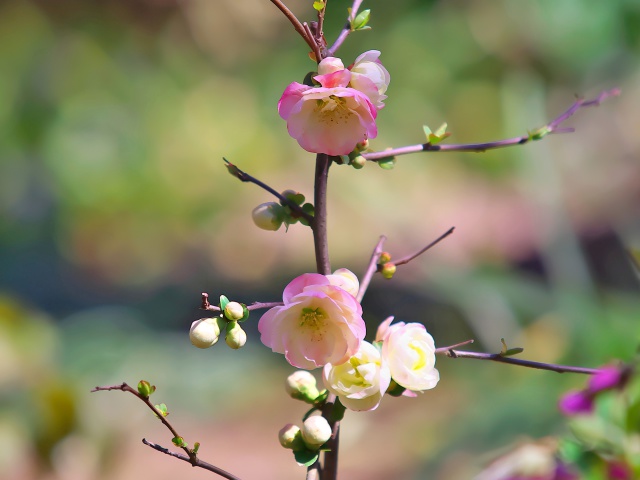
{"x": 233, "y": 311}
{"x": 315, "y": 432}
{"x": 205, "y": 332}
{"x": 236, "y": 337}
{"x": 358, "y": 162}
{"x": 388, "y": 269}
{"x": 268, "y": 216}
{"x": 290, "y": 437}
{"x": 301, "y": 385}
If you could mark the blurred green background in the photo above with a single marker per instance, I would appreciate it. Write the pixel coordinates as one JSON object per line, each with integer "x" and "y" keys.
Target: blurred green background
{"x": 116, "y": 212}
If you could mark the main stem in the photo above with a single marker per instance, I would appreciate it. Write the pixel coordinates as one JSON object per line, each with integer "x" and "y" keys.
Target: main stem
{"x": 319, "y": 226}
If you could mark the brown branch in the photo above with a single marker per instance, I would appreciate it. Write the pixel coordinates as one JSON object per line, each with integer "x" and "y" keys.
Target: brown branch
{"x": 198, "y": 463}
{"x": 296, "y": 24}
{"x": 538, "y": 134}
{"x": 371, "y": 268}
{"x": 408, "y": 258}
{"x": 497, "y": 357}
{"x": 190, "y": 456}
{"x": 245, "y": 177}
{"x": 319, "y": 223}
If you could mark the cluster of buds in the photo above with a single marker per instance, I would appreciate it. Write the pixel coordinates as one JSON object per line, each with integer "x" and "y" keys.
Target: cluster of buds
{"x": 271, "y": 215}
{"x": 206, "y": 332}
{"x": 385, "y": 266}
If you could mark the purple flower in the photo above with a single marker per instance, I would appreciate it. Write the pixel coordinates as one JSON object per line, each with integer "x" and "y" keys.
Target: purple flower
{"x": 575, "y": 403}
{"x": 606, "y": 378}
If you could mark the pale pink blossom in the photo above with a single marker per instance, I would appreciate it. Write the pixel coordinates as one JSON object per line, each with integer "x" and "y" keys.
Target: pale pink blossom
{"x": 346, "y": 280}
{"x": 360, "y": 382}
{"x": 329, "y": 120}
{"x": 370, "y": 77}
{"x": 319, "y": 323}
{"x": 409, "y": 351}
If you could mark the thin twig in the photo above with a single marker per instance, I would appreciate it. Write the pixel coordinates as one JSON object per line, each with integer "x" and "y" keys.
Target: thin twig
{"x": 408, "y": 258}
{"x": 198, "y": 463}
{"x": 245, "y": 177}
{"x": 317, "y": 51}
{"x": 371, "y": 268}
{"x": 319, "y": 223}
{"x": 551, "y": 127}
{"x": 296, "y": 24}
{"x": 205, "y": 305}
{"x": 346, "y": 30}
{"x": 497, "y": 357}
{"x": 190, "y": 456}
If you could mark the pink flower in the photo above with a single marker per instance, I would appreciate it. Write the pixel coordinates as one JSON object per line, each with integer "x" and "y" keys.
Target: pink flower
{"x": 319, "y": 323}
{"x": 328, "y": 120}
{"x": 341, "y": 113}
{"x": 576, "y": 402}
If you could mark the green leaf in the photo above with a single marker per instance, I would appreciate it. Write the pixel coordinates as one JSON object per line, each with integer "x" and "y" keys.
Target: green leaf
{"x": 395, "y": 390}
{"x": 539, "y": 133}
{"x": 145, "y": 388}
{"x": 387, "y": 163}
{"x": 305, "y": 457}
{"x": 163, "y": 409}
{"x": 318, "y": 5}
{"x": 179, "y": 442}
{"x": 360, "y": 22}
{"x": 437, "y": 136}
{"x": 196, "y": 447}
{"x": 337, "y": 412}
{"x": 245, "y": 312}
{"x": 223, "y": 302}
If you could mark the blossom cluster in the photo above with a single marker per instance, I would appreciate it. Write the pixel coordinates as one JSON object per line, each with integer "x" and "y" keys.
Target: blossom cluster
{"x": 320, "y": 325}
{"x": 341, "y": 112}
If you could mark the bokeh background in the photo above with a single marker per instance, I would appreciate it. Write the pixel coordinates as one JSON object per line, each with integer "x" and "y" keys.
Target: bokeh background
{"x": 116, "y": 212}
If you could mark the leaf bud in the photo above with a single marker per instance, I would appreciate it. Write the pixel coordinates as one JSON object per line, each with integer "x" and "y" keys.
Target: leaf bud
{"x": 236, "y": 337}
{"x": 388, "y": 269}
{"x": 301, "y": 385}
{"x": 358, "y": 162}
{"x": 315, "y": 432}
{"x": 145, "y": 388}
{"x": 385, "y": 257}
{"x": 205, "y": 332}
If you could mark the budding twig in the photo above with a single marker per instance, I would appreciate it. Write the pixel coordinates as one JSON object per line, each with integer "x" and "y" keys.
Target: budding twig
{"x": 408, "y": 258}
{"x": 190, "y": 456}
{"x": 245, "y": 177}
{"x": 205, "y": 305}
{"x": 551, "y": 127}
{"x": 305, "y": 34}
{"x": 497, "y": 357}
{"x": 346, "y": 30}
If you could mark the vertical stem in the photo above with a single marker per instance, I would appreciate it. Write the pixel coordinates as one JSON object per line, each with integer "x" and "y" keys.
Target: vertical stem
{"x": 319, "y": 225}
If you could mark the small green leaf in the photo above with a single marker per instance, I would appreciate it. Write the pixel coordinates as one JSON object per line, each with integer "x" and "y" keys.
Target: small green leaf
{"x": 395, "y": 390}
{"x": 504, "y": 347}
{"x": 318, "y": 5}
{"x": 233, "y": 170}
{"x": 539, "y": 133}
{"x": 223, "y": 302}
{"x": 337, "y": 413}
{"x": 360, "y": 22}
{"x": 196, "y": 447}
{"x": 245, "y": 311}
{"x": 305, "y": 457}
{"x": 513, "y": 351}
{"x": 162, "y": 408}
{"x": 437, "y": 136}
{"x": 387, "y": 163}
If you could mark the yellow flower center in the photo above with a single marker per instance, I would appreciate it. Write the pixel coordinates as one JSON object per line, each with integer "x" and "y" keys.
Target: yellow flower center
{"x": 333, "y": 110}
{"x": 313, "y": 320}
{"x": 420, "y": 357}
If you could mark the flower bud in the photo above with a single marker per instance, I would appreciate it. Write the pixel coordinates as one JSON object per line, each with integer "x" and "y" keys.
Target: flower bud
{"x": 315, "y": 432}
{"x": 358, "y": 162}
{"x": 268, "y": 216}
{"x": 388, "y": 269}
{"x": 236, "y": 337}
{"x": 301, "y": 385}
{"x": 385, "y": 257}
{"x": 290, "y": 437}
{"x": 234, "y": 311}
{"x": 205, "y": 332}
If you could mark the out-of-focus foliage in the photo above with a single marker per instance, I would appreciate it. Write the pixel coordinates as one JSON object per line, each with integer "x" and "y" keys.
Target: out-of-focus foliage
{"x": 116, "y": 211}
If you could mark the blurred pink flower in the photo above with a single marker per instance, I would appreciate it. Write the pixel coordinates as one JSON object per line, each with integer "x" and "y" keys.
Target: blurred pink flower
{"x": 319, "y": 323}
{"x": 575, "y": 403}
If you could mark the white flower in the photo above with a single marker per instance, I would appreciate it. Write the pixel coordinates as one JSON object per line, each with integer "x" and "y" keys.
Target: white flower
{"x": 360, "y": 382}
{"x": 346, "y": 280}
{"x": 368, "y": 72}
{"x": 205, "y": 332}
{"x": 409, "y": 351}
